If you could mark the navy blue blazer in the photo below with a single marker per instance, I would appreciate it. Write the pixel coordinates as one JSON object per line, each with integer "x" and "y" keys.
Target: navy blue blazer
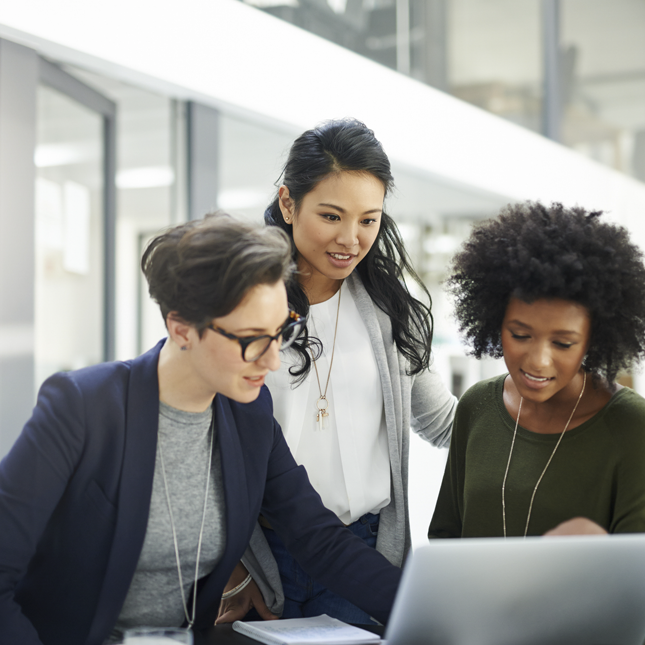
{"x": 75, "y": 494}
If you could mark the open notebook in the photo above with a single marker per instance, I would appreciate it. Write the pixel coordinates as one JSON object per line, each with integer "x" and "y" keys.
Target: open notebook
{"x": 318, "y": 630}
{"x": 533, "y": 591}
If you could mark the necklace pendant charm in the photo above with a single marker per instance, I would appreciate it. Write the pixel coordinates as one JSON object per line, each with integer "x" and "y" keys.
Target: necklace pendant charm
{"x": 321, "y": 413}
{"x": 321, "y": 420}
{"x": 322, "y": 404}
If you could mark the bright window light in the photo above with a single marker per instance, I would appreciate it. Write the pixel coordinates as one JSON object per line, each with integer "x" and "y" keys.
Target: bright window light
{"x": 145, "y": 177}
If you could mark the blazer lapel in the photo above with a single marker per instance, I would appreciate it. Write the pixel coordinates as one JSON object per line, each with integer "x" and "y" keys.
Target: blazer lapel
{"x": 135, "y": 490}
{"x": 239, "y": 523}
{"x": 234, "y": 475}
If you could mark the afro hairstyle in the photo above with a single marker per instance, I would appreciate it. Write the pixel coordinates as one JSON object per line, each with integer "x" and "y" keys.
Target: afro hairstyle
{"x": 532, "y": 251}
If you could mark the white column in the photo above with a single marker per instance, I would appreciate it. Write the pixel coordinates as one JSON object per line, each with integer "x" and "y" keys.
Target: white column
{"x": 18, "y": 81}
{"x": 203, "y": 159}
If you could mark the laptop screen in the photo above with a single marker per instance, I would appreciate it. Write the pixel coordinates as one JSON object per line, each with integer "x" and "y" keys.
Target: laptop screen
{"x": 535, "y": 591}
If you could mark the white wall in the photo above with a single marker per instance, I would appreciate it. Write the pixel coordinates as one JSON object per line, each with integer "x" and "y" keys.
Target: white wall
{"x": 229, "y": 55}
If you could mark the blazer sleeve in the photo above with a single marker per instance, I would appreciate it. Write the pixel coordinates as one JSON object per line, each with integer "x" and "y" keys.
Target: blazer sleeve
{"x": 433, "y": 408}
{"x": 323, "y": 546}
{"x": 33, "y": 477}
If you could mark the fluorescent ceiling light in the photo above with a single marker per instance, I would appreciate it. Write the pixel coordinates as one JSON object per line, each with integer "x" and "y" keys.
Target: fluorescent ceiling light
{"x": 62, "y": 154}
{"x": 273, "y": 3}
{"x": 238, "y": 198}
{"x": 145, "y": 177}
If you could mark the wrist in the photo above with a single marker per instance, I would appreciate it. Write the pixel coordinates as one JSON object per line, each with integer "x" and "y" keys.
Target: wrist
{"x": 235, "y": 590}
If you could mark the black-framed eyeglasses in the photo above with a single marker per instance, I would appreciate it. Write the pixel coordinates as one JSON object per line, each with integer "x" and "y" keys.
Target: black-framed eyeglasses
{"x": 253, "y": 347}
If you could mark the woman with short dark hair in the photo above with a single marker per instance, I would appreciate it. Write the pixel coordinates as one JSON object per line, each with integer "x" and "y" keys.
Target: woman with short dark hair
{"x": 133, "y": 490}
{"x": 555, "y": 445}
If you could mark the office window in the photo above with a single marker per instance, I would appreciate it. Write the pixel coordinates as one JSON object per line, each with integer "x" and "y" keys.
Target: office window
{"x": 69, "y": 234}
{"x": 149, "y": 178}
{"x": 250, "y": 162}
{"x": 604, "y": 52}
{"x": 494, "y": 57}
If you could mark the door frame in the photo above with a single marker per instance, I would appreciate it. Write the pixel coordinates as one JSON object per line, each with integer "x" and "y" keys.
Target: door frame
{"x": 58, "y": 79}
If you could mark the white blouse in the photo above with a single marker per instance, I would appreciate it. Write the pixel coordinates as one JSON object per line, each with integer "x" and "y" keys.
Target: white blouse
{"x": 347, "y": 460}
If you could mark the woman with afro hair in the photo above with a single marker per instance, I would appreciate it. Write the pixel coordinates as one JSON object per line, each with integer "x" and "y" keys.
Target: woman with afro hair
{"x": 556, "y": 445}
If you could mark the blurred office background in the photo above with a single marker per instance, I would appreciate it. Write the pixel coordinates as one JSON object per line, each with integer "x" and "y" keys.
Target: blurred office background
{"x": 119, "y": 120}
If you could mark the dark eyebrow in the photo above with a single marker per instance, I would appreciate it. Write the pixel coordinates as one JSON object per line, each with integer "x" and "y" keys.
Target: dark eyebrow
{"x": 559, "y": 332}
{"x": 258, "y": 330}
{"x": 342, "y": 210}
{"x": 519, "y": 323}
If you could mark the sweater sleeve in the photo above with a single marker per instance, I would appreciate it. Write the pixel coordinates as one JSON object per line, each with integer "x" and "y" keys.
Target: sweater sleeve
{"x": 447, "y": 518}
{"x": 627, "y": 425}
{"x": 260, "y": 563}
{"x": 33, "y": 477}
{"x": 433, "y": 408}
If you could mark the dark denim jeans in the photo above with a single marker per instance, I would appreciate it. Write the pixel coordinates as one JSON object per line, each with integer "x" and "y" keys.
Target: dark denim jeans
{"x": 303, "y": 596}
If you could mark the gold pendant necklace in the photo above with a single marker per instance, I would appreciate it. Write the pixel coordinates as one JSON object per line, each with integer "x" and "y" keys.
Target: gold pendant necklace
{"x": 517, "y": 421}
{"x": 322, "y": 404}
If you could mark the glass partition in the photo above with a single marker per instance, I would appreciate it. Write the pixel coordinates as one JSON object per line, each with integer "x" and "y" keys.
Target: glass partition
{"x": 69, "y": 287}
{"x": 150, "y": 176}
{"x": 495, "y": 57}
{"x": 250, "y": 162}
{"x": 604, "y": 44}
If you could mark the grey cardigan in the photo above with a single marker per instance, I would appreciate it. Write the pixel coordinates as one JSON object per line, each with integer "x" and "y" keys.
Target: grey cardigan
{"x": 421, "y": 402}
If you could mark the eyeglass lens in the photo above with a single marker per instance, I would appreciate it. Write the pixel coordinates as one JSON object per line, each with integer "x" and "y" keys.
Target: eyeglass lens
{"x": 255, "y": 349}
{"x": 291, "y": 332}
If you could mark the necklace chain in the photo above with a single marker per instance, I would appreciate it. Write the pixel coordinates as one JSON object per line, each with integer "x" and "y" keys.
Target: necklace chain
{"x": 510, "y": 454}
{"x": 322, "y": 404}
{"x": 189, "y": 619}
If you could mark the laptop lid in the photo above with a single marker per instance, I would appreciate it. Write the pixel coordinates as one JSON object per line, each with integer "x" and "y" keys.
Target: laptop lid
{"x": 534, "y": 591}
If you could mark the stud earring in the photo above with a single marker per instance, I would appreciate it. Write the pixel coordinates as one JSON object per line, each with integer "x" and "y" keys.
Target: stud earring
{"x": 184, "y": 348}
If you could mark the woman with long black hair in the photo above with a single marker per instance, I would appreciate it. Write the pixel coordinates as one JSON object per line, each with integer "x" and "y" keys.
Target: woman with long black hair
{"x": 348, "y": 391}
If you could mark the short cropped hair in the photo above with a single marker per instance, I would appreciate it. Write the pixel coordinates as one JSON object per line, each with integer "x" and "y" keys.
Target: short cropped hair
{"x": 533, "y": 251}
{"x": 202, "y": 269}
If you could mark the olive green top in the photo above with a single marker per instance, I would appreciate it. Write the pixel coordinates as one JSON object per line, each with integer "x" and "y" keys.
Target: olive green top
{"x": 597, "y": 472}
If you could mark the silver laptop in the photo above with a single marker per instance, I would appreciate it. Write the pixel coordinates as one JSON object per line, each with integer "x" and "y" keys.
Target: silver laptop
{"x": 533, "y": 591}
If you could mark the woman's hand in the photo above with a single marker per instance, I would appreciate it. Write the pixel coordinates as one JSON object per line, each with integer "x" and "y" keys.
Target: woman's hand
{"x": 237, "y": 606}
{"x": 577, "y": 526}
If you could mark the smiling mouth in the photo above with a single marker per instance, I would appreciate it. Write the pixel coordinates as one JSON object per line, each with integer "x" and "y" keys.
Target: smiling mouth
{"x": 536, "y": 379}
{"x": 341, "y": 256}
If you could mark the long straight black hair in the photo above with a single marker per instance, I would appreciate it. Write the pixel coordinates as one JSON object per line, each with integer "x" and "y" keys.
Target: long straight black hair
{"x": 349, "y": 145}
